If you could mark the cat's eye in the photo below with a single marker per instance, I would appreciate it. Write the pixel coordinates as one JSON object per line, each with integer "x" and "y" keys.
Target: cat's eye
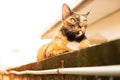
{"x": 72, "y": 20}
{"x": 85, "y": 20}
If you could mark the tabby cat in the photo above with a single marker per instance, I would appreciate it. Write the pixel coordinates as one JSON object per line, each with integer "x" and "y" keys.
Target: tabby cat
{"x": 71, "y": 35}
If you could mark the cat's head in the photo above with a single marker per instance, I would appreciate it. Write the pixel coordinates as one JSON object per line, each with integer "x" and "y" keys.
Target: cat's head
{"x": 74, "y": 25}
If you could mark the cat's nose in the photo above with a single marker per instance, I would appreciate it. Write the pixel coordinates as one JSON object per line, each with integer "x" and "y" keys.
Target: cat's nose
{"x": 79, "y": 26}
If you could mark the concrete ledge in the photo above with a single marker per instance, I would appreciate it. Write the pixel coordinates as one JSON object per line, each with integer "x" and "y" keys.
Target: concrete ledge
{"x": 100, "y": 55}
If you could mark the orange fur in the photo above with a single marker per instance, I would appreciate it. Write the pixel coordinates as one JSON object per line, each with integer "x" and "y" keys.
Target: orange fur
{"x": 73, "y": 30}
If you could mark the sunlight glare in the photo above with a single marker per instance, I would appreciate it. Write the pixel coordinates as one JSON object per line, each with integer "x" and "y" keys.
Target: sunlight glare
{"x": 21, "y": 24}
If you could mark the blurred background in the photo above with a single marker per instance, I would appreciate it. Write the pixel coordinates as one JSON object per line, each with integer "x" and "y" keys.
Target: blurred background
{"x": 27, "y": 24}
{"x": 21, "y": 24}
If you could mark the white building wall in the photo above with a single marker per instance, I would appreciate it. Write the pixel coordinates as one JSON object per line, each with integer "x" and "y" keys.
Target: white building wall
{"x": 109, "y": 27}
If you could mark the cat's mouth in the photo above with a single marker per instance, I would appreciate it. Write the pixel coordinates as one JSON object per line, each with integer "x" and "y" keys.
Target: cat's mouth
{"x": 79, "y": 33}
{"x": 72, "y": 36}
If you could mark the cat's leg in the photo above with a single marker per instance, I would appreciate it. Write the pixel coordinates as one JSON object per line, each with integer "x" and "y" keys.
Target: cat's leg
{"x": 41, "y": 53}
{"x": 57, "y": 51}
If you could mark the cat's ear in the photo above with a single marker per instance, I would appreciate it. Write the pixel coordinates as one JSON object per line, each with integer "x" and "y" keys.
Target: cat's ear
{"x": 66, "y": 11}
{"x": 87, "y": 13}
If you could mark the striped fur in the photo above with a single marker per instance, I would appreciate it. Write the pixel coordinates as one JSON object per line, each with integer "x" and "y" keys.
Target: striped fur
{"x": 70, "y": 37}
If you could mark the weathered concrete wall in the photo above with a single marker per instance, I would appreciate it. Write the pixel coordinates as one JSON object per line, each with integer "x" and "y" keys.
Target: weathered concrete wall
{"x": 104, "y": 54}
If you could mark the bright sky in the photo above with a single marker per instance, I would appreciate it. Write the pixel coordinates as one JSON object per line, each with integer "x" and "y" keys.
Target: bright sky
{"x": 21, "y": 24}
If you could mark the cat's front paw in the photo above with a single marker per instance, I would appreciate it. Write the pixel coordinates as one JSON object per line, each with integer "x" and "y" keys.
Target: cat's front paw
{"x": 57, "y": 52}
